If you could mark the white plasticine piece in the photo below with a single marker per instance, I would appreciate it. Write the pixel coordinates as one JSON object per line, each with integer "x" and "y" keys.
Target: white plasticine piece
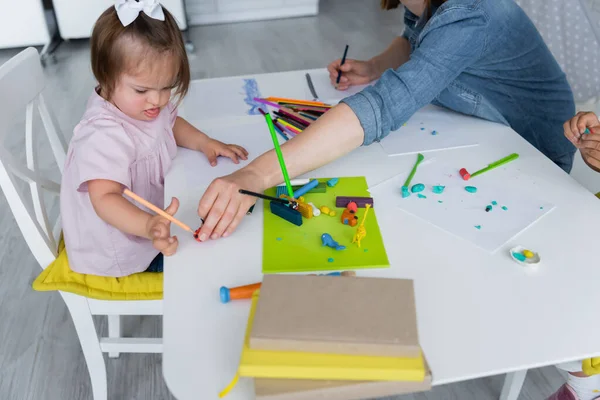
{"x": 316, "y": 211}
{"x": 296, "y": 182}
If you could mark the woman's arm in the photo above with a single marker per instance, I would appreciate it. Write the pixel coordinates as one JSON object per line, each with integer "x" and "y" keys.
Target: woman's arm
{"x": 393, "y": 57}
{"x": 446, "y": 50}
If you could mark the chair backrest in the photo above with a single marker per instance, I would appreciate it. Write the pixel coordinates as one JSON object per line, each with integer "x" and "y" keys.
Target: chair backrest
{"x": 571, "y": 29}
{"x": 21, "y": 84}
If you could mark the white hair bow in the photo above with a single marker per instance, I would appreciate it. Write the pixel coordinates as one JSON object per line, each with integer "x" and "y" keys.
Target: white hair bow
{"x": 128, "y": 10}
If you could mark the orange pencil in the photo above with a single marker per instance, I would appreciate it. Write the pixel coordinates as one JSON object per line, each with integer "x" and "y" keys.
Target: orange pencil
{"x": 302, "y": 102}
{"x": 157, "y": 210}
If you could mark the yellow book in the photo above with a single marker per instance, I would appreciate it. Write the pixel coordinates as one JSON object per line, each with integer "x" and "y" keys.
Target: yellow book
{"x": 296, "y": 365}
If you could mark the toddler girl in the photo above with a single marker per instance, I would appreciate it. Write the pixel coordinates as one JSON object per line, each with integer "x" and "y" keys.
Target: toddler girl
{"x": 127, "y": 138}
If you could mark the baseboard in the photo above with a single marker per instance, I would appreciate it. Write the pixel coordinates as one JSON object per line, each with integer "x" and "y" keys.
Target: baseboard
{"x": 253, "y": 15}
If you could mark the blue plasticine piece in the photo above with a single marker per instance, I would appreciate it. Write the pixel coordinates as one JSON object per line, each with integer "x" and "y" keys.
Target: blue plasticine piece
{"x": 332, "y": 182}
{"x": 306, "y": 188}
{"x": 287, "y": 213}
{"x": 438, "y": 189}
{"x": 405, "y": 192}
{"x": 519, "y": 256}
{"x": 224, "y": 292}
{"x": 329, "y": 242}
{"x": 419, "y": 187}
{"x": 281, "y": 190}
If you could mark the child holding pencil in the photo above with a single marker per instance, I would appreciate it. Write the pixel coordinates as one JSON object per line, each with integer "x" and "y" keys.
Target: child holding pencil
{"x": 127, "y": 139}
{"x": 583, "y": 130}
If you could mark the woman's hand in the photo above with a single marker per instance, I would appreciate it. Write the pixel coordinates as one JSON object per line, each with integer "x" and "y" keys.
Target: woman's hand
{"x": 222, "y": 206}
{"x": 354, "y": 73}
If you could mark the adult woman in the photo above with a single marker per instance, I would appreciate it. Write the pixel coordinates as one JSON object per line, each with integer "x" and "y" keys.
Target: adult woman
{"x": 479, "y": 57}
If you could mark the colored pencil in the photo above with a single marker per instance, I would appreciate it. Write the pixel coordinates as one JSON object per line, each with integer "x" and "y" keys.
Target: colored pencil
{"x": 268, "y": 103}
{"x": 291, "y": 121}
{"x": 283, "y": 135}
{"x": 308, "y": 116}
{"x": 294, "y": 115}
{"x": 289, "y": 126}
{"x": 288, "y": 131}
{"x": 283, "y": 129}
{"x": 284, "y": 172}
{"x": 264, "y": 196}
{"x": 157, "y": 210}
{"x": 337, "y": 82}
{"x": 296, "y": 107}
{"x": 300, "y": 102}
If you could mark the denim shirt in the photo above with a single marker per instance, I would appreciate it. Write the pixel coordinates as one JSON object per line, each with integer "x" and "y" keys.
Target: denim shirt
{"x": 478, "y": 57}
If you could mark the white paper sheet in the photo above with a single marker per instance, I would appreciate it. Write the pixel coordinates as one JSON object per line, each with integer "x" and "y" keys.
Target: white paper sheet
{"x": 462, "y": 213}
{"x": 417, "y": 135}
{"x": 221, "y": 98}
{"x": 325, "y": 90}
{"x": 254, "y": 137}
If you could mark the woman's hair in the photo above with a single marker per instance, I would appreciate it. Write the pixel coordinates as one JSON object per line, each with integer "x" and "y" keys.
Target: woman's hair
{"x": 391, "y": 4}
{"x": 117, "y": 49}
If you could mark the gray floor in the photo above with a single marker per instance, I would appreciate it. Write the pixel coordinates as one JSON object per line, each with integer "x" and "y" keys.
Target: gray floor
{"x": 40, "y": 356}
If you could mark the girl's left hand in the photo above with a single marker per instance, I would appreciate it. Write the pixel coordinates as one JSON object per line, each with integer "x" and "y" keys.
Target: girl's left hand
{"x": 213, "y": 148}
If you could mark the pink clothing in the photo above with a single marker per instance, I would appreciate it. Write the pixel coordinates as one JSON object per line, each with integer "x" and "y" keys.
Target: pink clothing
{"x": 107, "y": 144}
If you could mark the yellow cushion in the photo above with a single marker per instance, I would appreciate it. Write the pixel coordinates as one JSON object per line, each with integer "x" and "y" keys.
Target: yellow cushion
{"x": 591, "y": 366}
{"x": 58, "y": 276}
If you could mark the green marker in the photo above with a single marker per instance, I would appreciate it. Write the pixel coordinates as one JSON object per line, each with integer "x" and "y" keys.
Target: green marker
{"x": 286, "y": 178}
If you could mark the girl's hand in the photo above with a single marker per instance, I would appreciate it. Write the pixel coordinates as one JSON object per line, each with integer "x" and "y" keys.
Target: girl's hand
{"x": 354, "y": 73}
{"x": 576, "y": 126}
{"x": 159, "y": 231}
{"x": 213, "y": 148}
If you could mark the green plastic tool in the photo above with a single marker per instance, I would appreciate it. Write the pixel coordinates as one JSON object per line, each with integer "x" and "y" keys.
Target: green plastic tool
{"x": 491, "y": 166}
{"x": 420, "y": 157}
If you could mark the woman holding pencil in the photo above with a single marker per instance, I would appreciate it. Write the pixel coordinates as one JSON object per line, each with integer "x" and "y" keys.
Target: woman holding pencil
{"x": 479, "y": 57}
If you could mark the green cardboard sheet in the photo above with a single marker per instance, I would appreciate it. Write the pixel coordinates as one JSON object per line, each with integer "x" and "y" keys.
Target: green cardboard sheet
{"x": 291, "y": 248}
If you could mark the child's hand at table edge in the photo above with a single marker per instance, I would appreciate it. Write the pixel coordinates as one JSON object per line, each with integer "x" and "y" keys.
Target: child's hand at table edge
{"x": 213, "y": 148}
{"x": 159, "y": 231}
{"x": 576, "y": 126}
{"x": 222, "y": 206}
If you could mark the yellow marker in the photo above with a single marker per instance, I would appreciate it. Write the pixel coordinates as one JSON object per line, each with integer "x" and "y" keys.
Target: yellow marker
{"x": 361, "y": 232}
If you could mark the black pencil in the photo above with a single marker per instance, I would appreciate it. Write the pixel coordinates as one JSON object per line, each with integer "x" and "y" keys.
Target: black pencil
{"x": 264, "y": 196}
{"x": 337, "y": 82}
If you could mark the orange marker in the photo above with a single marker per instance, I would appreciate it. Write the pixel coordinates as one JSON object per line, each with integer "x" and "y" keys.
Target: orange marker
{"x": 237, "y": 293}
{"x": 246, "y": 292}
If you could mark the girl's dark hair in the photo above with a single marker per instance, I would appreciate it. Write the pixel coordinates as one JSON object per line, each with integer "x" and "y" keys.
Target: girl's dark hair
{"x": 111, "y": 57}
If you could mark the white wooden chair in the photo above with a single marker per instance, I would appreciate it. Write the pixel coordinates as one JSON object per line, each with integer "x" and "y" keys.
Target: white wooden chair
{"x": 21, "y": 84}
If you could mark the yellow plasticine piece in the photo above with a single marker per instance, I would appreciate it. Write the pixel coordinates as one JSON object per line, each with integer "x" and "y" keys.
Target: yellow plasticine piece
{"x": 325, "y": 210}
{"x": 361, "y": 232}
{"x": 332, "y": 213}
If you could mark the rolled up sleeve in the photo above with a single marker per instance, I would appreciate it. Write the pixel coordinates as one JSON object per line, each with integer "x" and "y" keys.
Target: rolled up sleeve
{"x": 453, "y": 40}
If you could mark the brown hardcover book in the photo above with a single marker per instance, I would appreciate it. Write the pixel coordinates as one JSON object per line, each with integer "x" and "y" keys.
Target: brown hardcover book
{"x": 296, "y": 389}
{"x": 336, "y": 315}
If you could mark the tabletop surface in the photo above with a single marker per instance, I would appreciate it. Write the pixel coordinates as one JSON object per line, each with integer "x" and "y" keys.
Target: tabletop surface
{"x": 479, "y": 314}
